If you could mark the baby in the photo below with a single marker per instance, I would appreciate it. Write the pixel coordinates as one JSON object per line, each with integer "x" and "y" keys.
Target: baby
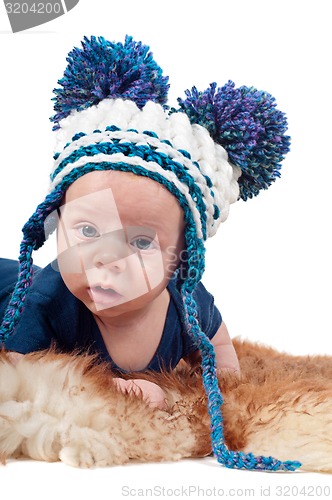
{"x": 136, "y": 189}
{"x": 120, "y": 238}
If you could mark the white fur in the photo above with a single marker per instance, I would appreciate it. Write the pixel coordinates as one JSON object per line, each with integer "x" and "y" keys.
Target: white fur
{"x": 299, "y": 432}
{"x": 50, "y": 411}
{"x": 55, "y": 407}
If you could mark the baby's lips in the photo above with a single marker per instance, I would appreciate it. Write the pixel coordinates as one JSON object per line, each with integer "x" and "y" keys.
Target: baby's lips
{"x": 105, "y": 287}
{"x": 104, "y": 299}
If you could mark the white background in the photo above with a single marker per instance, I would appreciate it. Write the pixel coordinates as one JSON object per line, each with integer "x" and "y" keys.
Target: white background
{"x": 269, "y": 266}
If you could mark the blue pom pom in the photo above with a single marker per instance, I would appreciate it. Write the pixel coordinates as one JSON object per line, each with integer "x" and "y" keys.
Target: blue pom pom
{"x": 104, "y": 69}
{"x": 247, "y": 124}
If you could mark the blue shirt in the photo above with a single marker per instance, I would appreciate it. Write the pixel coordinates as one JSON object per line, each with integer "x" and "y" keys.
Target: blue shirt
{"x": 52, "y": 314}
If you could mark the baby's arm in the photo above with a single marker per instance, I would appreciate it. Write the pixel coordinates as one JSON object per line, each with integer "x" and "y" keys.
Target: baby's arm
{"x": 226, "y": 357}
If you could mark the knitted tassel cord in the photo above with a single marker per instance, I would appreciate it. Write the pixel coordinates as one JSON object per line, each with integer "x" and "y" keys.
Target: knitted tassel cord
{"x": 226, "y": 457}
{"x": 15, "y": 306}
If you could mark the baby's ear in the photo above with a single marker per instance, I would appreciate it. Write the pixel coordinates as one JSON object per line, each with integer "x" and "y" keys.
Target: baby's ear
{"x": 246, "y": 122}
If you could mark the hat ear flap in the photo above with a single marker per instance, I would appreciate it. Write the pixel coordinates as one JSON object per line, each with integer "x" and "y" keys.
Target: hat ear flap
{"x": 247, "y": 124}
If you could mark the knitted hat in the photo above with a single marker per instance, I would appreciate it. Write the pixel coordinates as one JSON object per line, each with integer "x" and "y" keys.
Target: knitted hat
{"x": 220, "y": 145}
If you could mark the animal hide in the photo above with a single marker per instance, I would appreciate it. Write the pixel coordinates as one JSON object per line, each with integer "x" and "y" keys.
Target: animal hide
{"x": 66, "y": 407}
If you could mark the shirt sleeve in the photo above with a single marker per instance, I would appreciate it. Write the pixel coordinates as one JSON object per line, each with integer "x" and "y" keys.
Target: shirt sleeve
{"x": 209, "y": 317}
{"x": 30, "y": 333}
{"x": 44, "y": 320}
{"x": 34, "y": 331}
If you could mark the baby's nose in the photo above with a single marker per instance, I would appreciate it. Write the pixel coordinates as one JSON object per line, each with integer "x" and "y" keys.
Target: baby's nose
{"x": 109, "y": 258}
{"x": 110, "y": 249}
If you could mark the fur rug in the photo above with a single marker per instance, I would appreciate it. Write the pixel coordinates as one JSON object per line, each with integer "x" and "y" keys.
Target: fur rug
{"x": 65, "y": 407}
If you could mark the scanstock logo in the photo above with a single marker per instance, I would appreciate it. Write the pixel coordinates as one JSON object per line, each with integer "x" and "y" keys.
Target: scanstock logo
{"x": 27, "y": 14}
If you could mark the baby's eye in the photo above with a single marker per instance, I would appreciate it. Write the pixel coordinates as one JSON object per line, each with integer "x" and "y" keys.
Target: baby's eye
{"x": 142, "y": 243}
{"x": 88, "y": 231}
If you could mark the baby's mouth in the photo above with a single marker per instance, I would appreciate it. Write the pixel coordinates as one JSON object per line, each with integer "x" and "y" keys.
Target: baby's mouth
{"x": 104, "y": 296}
{"x": 105, "y": 290}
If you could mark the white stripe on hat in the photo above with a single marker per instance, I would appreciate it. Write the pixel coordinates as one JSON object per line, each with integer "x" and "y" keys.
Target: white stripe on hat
{"x": 176, "y": 128}
{"x": 135, "y": 161}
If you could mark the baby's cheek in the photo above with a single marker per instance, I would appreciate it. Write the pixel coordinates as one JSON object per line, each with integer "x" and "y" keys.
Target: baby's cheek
{"x": 154, "y": 268}
{"x": 171, "y": 263}
{"x": 76, "y": 283}
{"x": 61, "y": 241}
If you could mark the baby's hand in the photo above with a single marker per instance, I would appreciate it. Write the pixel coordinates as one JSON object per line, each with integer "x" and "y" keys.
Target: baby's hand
{"x": 14, "y": 357}
{"x": 152, "y": 393}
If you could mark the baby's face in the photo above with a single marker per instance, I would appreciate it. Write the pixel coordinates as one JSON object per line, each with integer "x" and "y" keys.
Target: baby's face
{"x": 119, "y": 240}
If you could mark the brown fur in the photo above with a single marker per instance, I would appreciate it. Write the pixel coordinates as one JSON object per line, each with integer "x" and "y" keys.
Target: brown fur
{"x": 58, "y": 406}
